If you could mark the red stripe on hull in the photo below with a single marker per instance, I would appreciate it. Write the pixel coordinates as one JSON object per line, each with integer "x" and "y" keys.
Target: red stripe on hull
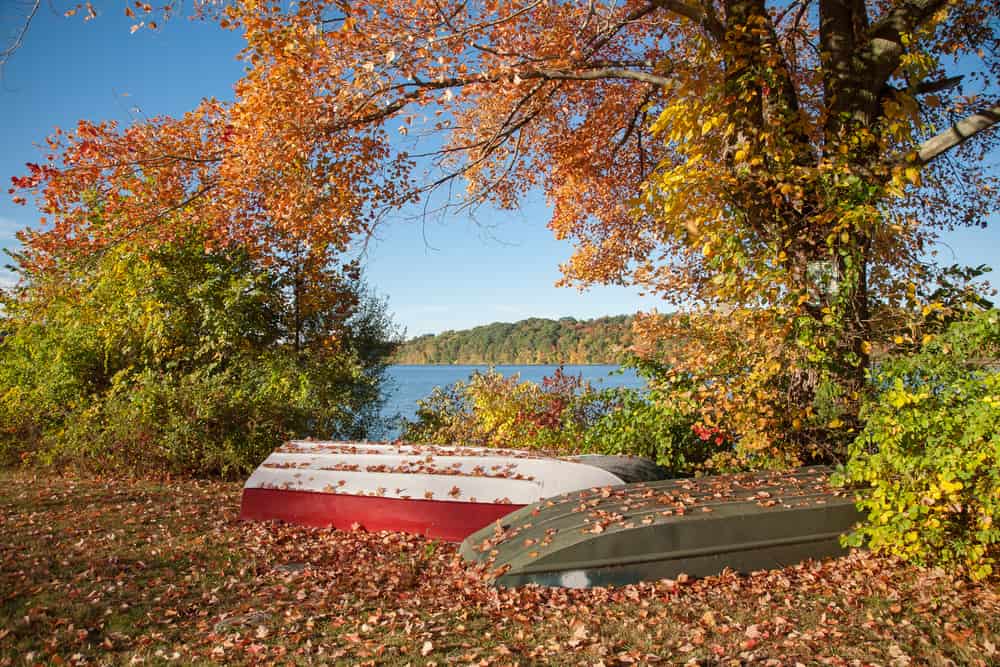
{"x": 441, "y": 519}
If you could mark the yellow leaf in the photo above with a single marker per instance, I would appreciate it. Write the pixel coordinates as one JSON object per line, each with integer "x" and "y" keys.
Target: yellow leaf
{"x": 949, "y": 486}
{"x": 931, "y": 307}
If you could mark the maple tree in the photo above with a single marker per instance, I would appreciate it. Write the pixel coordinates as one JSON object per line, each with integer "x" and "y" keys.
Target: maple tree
{"x": 779, "y": 169}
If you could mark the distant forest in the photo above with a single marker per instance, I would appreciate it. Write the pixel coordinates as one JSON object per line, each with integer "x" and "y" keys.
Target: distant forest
{"x": 532, "y": 341}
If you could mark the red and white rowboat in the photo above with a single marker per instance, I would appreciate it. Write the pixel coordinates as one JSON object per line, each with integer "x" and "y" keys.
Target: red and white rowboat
{"x": 442, "y": 492}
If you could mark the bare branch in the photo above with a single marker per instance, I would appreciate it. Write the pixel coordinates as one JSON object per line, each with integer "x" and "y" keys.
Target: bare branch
{"x": 8, "y": 52}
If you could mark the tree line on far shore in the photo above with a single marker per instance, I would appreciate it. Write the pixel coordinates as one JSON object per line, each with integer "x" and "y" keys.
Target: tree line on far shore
{"x": 602, "y": 340}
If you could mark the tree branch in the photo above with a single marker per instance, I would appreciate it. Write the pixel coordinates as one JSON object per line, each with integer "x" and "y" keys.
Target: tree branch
{"x": 938, "y": 85}
{"x": 903, "y": 18}
{"x": 6, "y": 54}
{"x": 884, "y": 47}
{"x": 956, "y": 135}
{"x": 601, "y": 39}
{"x": 598, "y": 73}
{"x": 700, "y": 15}
{"x": 418, "y": 87}
{"x": 926, "y": 87}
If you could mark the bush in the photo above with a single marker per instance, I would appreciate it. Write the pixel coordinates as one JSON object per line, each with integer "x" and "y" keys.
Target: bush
{"x": 640, "y": 425}
{"x": 930, "y": 452}
{"x": 491, "y": 410}
{"x": 564, "y": 415}
{"x": 186, "y": 362}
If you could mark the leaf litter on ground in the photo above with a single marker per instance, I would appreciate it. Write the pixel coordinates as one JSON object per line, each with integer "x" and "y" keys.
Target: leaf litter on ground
{"x": 126, "y": 571}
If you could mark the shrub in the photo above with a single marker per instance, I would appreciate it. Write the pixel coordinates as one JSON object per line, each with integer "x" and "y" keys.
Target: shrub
{"x": 187, "y": 362}
{"x": 492, "y": 410}
{"x": 641, "y": 425}
{"x": 564, "y": 415}
{"x": 930, "y": 451}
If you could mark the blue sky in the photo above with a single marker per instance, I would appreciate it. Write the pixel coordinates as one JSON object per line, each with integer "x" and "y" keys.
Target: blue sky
{"x": 439, "y": 274}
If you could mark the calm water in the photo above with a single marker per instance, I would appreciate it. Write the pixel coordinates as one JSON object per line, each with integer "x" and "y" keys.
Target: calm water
{"x": 410, "y": 383}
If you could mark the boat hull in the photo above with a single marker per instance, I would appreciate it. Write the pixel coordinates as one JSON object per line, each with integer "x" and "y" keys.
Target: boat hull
{"x": 450, "y": 521}
{"x": 698, "y": 527}
{"x": 445, "y": 493}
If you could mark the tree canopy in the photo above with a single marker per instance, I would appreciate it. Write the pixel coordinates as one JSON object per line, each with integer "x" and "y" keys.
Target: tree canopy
{"x": 777, "y": 168}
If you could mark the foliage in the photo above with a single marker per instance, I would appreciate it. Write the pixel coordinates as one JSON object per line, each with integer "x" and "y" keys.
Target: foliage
{"x": 745, "y": 160}
{"x": 660, "y": 423}
{"x": 184, "y": 361}
{"x": 732, "y": 371}
{"x": 930, "y": 451}
{"x": 492, "y": 410}
{"x": 640, "y": 425}
{"x": 774, "y": 168}
{"x": 115, "y": 571}
{"x": 533, "y": 341}
{"x": 565, "y": 415}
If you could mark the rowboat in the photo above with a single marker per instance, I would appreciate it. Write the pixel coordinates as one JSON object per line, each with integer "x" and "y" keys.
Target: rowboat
{"x": 655, "y": 530}
{"x": 437, "y": 491}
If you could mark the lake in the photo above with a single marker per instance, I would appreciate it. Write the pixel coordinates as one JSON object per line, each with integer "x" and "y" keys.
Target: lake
{"x": 410, "y": 383}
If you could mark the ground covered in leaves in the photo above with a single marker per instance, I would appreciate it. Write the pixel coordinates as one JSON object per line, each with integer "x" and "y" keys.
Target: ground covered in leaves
{"x": 118, "y": 571}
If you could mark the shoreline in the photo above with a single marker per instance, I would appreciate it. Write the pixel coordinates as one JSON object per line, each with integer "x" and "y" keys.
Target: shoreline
{"x": 500, "y": 365}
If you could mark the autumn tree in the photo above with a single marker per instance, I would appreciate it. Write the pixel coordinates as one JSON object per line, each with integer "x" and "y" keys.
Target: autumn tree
{"x": 179, "y": 360}
{"x": 778, "y": 170}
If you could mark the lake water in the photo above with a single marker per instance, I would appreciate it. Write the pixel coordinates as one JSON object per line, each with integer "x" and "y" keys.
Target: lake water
{"x": 410, "y": 383}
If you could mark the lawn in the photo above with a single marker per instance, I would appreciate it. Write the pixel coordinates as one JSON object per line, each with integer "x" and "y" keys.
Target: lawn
{"x": 118, "y": 571}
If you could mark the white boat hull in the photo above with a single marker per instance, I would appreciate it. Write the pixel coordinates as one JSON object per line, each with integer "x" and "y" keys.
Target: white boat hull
{"x": 442, "y": 492}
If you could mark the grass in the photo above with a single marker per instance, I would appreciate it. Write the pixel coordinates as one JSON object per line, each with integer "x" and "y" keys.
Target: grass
{"x": 120, "y": 571}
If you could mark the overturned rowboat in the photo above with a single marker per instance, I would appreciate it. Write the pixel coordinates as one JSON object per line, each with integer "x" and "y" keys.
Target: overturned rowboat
{"x": 699, "y": 527}
{"x": 441, "y": 492}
